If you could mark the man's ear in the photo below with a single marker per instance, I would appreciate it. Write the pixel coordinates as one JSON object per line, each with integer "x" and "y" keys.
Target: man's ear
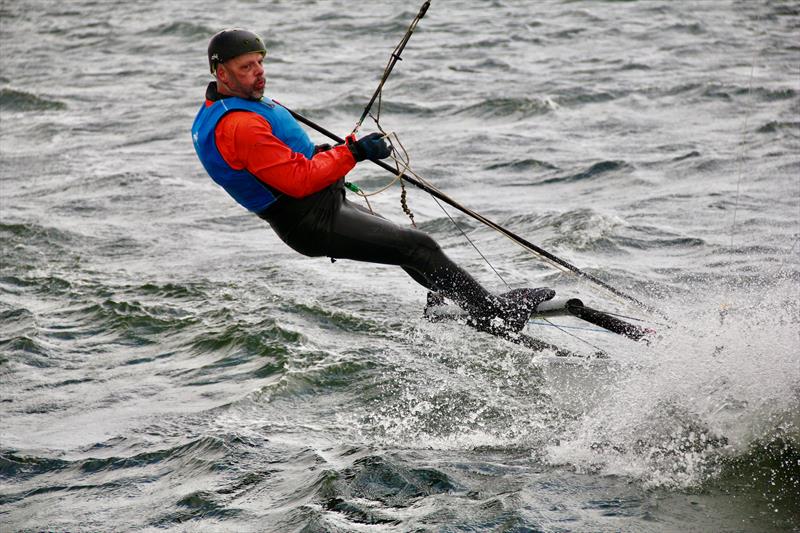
{"x": 222, "y": 74}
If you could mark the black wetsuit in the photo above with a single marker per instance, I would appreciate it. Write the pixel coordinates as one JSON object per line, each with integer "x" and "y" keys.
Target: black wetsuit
{"x": 328, "y": 224}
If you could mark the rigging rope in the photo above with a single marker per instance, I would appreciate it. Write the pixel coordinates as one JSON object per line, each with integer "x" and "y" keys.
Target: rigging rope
{"x": 743, "y": 143}
{"x": 531, "y": 247}
{"x": 563, "y": 330}
{"x": 402, "y": 159}
{"x": 402, "y": 162}
{"x": 393, "y": 59}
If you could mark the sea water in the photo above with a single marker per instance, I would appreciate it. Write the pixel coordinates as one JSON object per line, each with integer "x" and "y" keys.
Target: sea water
{"x": 167, "y": 363}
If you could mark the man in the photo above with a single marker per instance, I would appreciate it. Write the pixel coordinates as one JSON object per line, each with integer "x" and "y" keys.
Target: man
{"x": 260, "y": 155}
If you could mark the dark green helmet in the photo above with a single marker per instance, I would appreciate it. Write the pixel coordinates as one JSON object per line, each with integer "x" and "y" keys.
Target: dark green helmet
{"x": 231, "y": 43}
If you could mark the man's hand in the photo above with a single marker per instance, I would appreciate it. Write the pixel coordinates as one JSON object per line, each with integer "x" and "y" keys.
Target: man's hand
{"x": 372, "y": 146}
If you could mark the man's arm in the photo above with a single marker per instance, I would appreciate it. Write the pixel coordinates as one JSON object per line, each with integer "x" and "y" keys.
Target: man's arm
{"x": 245, "y": 141}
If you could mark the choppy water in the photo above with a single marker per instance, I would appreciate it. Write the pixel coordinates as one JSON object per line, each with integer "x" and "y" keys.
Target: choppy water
{"x": 167, "y": 363}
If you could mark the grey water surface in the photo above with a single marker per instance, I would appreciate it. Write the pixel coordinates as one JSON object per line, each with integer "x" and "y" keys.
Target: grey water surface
{"x": 167, "y": 363}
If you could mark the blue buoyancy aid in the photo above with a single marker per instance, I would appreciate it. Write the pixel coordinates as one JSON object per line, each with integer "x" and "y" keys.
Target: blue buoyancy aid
{"x": 252, "y": 193}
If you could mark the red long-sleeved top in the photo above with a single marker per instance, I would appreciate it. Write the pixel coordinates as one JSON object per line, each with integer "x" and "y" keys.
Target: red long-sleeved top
{"x": 245, "y": 141}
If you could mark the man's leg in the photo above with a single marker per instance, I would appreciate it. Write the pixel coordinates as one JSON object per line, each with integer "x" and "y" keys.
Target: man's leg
{"x": 362, "y": 236}
{"x": 327, "y": 224}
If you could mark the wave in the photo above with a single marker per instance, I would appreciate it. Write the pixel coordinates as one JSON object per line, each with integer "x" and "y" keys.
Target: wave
{"x": 307, "y": 373}
{"x": 581, "y": 230}
{"x": 522, "y": 165}
{"x": 635, "y": 66}
{"x": 578, "y": 230}
{"x": 21, "y": 467}
{"x": 483, "y": 44}
{"x": 19, "y": 339}
{"x": 43, "y": 235}
{"x": 354, "y": 491}
{"x": 694, "y": 28}
{"x": 133, "y": 322}
{"x": 180, "y": 28}
{"x": 276, "y": 349}
{"x": 484, "y": 65}
{"x": 239, "y": 343}
{"x": 191, "y": 458}
{"x": 566, "y": 34}
{"x": 171, "y": 290}
{"x": 196, "y": 505}
{"x": 597, "y": 169}
{"x": 769, "y": 466}
{"x": 12, "y": 100}
{"x": 763, "y": 94}
{"x": 91, "y": 324}
{"x": 651, "y": 237}
{"x": 580, "y": 96}
{"x": 723, "y": 385}
{"x": 506, "y": 107}
{"x": 722, "y": 91}
{"x": 775, "y": 125}
{"x": 444, "y": 226}
{"x": 396, "y": 25}
{"x": 338, "y": 319}
{"x": 353, "y": 105}
{"x": 201, "y": 451}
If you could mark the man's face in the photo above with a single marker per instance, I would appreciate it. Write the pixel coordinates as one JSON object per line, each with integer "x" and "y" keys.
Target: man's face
{"x": 244, "y": 75}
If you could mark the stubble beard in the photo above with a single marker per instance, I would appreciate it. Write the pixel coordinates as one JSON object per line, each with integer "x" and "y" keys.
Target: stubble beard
{"x": 248, "y": 91}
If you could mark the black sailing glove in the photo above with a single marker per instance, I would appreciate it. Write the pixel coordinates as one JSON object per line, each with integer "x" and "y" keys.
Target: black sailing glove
{"x": 372, "y": 146}
{"x": 322, "y": 148}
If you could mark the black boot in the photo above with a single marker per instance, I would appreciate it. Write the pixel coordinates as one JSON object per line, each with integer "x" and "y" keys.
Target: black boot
{"x": 511, "y": 311}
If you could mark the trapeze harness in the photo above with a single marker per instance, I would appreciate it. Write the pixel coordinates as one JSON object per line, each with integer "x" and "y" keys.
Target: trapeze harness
{"x": 326, "y": 223}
